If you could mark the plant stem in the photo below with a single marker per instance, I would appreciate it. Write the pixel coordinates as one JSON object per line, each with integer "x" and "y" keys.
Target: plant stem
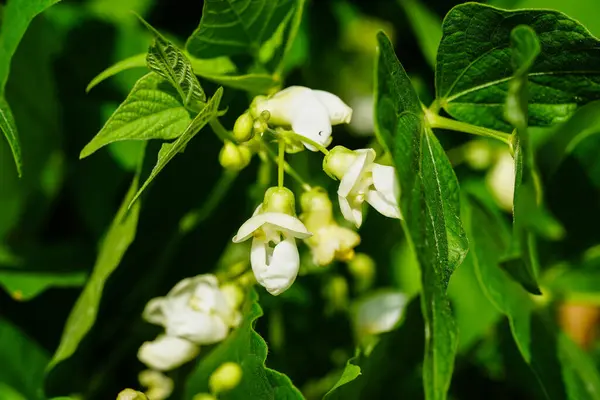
{"x": 303, "y": 139}
{"x": 281, "y": 163}
{"x": 436, "y": 121}
{"x": 289, "y": 169}
{"x": 220, "y": 130}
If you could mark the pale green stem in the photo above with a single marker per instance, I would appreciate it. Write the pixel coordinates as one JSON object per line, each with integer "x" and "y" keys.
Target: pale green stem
{"x": 306, "y": 140}
{"x": 281, "y": 163}
{"x": 436, "y": 121}
{"x": 220, "y": 130}
{"x": 289, "y": 169}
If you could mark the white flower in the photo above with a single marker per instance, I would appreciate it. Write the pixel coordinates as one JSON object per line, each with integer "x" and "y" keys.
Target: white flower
{"x": 362, "y": 179}
{"x": 159, "y": 385}
{"x": 501, "y": 181}
{"x": 379, "y": 312}
{"x": 167, "y": 352}
{"x": 274, "y": 256}
{"x": 310, "y": 113}
{"x": 195, "y": 309}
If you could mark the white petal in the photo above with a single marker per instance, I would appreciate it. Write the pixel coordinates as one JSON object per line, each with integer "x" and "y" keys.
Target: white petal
{"x": 249, "y": 227}
{"x": 282, "y": 270}
{"x": 189, "y": 285}
{"x": 287, "y": 224}
{"x": 258, "y": 259}
{"x": 284, "y": 104}
{"x": 165, "y": 352}
{"x": 383, "y": 205}
{"x": 197, "y": 327}
{"x": 350, "y": 214}
{"x": 311, "y": 120}
{"x": 385, "y": 182}
{"x": 339, "y": 112}
{"x": 380, "y": 312}
{"x": 153, "y": 312}
{"x": 356, "y": 171}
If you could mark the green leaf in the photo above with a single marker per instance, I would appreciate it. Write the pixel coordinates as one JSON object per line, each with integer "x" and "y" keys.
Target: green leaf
{"x": 170, "y": 150}
{"x": 25, "y": 285}
{"x": 23, "y": 362}
{"x": 168, "y": 61}
{"x": 252, "y": 83}
{"x": 16, "y": 17}
{"x": 137, "y": 61}
{"x": 116, "y": 242}
{"x": 349, "y": 374}
{"x": 8, "y": 126}
{"x": 472, "y": 71}
{"x": 151, "y": 111}
{"x": 426, "y": 25}
{"x": 245, "y": 347}
{"x": 430, "y": 206}
{"x": 232, "y": 27}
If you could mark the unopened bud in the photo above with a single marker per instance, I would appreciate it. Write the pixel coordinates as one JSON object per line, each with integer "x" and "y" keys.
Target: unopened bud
{"x": 336, "y": 291}
{"x": 233, "y": 294}
{"x": 242, "y": 129}
{"x": 204, "y": 396}
{"x": 337, "y": 162}
{"x": 478, "y": 154}
{"x": 315, "y": 200}
{"x": 259, "y": 127}
{"x": 233, "y": 157}
{"x": 362, "y": 268}
{"x": 225, "y": 378}
{"x": 279, "y": 199}
{"x": 130, "y": 394}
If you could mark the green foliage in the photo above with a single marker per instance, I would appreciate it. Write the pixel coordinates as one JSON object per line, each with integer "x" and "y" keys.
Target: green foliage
{"x": 471, "y": 74}
{"x": 247, "y": 348}
{"x": 430, "y": 207}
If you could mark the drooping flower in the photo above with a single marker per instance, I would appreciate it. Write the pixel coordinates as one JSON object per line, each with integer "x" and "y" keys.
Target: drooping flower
{"x": 379, "y": 312}
{"x": 309, "y": 113}
{"x": 274, "y": 227}
{"x": 330, "y": 241}
{"x": 167, "y": 352}
{"x": 362, "y": 179}
{"x": 195, "y": 309}
{"x": 159, "y": 386}
{"x": 500, "y": 180}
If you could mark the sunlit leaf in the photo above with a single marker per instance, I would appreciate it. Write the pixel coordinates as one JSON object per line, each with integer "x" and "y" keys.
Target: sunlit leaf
{"x": 245, "y": 347}
{"x": 472, "y": 71}
{"x": 137, "y": 61}
{"x": 151, "y": 111}
{"x": 429, "y": 204}
{"x": 24, "y": 285}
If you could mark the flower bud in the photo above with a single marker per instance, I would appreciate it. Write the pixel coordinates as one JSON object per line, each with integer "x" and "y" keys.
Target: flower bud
{"x": 204, "y": 396}
{"x": 225, "y": 378}
{"x": 233, "y": 294}
{"x": 316, "y": 201}
{"x": 279, "y": 199}
{"x": 478, "y": 154}
{"x": 362, "y": 268}
{"x": 337, "y": 162}
{"x": 256, "y": 105}
{"x": 336, "y": 291}
{"x": 233, "y": 157}
{"x": 259, "y": 127}
{"x": 130, "y": 394}
{"x": 242, "y": 129}
{"x": 159, "y": 385}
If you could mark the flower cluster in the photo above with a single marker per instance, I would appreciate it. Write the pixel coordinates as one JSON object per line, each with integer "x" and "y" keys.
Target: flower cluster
{"x": 274, "y": 226}
{"x": 195, "y": 312}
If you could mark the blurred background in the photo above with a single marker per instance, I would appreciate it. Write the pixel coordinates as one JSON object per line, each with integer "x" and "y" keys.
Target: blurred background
{"x": 53, "y": 218}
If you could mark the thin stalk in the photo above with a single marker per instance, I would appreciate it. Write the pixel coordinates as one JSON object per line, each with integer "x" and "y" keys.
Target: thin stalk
{"x": 220, "y": 130}
{"x": 289, "y": 169}
{"x": 281, "y": 163}
{"x": 436, "y": 121}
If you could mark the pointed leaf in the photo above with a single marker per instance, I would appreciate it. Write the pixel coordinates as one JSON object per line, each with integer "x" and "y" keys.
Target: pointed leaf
{"x": 16, "y": 17}
{"x": 169, "y": 150}
{"x": 152, "y": 110}
{"x": 24, "y": 285}
{"x": 429, "y": 204}
{"x": 114, "y": 246}
{"x": 168, "y": 61}
{"x": 245, "y": 347}
{"x": 232, "y": 27}
{"x": 472, "y": 71}
{"x": 137, "y": 61}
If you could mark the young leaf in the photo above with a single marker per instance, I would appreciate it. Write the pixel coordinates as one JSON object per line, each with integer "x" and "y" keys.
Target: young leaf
{"x": 236, "y": 27}
{"x": 24, "y": 285}
{"x": 169, "y": 150}
{"x": 151, "y": 111}
{"x": 168, "y": 61}
{"x": 16, "y": 17}
{"x": 137, "y": 61}
{"x": 116, "y": 242}
{"x": 245, "y": 347}
{"x": 429, "y": 204}
{"x": 23, "y": 362}
{"x": 472, "y": 71}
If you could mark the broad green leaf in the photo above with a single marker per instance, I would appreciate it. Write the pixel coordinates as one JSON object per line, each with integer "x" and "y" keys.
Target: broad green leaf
{"x": 525, "y": 49}
{"x": 23, "y": 362}
{"x": 151, "y": 111}
{"x": 426, "y": 25}
{"x": 170, "y": 150}
{"x": 114, "y": 246}
{"x": 230, "y": 27}
{"x": 472, "y": 71}
{"x": 25, "y": 285}
{"x": 8, "y": 126}
{"x": 430, "y": 206}
{"x": 168, "y": 61}
{"x": 16, "y": 17}
{"x": 245, "y": 347}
